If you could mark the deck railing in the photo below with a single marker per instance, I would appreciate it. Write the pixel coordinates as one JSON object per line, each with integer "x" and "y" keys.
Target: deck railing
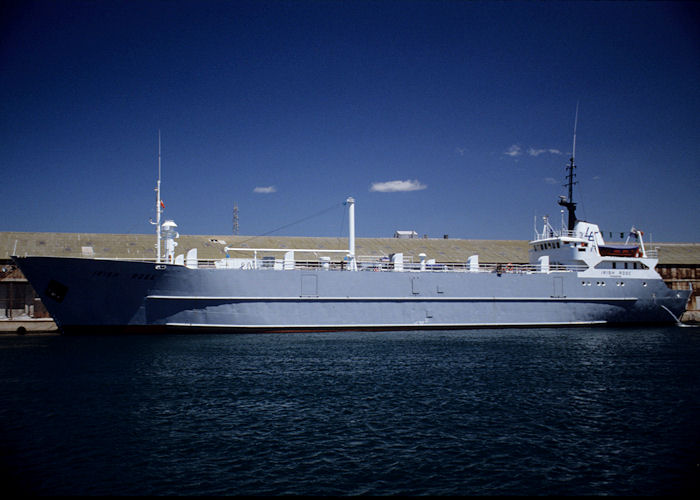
{"x": 388, "y": 266}
{"x": 365, "y": 264}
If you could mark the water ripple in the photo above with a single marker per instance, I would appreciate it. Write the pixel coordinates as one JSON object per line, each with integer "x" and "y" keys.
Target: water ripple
{"x": 582, "y": 411}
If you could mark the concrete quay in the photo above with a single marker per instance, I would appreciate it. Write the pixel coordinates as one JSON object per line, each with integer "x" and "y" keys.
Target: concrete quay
{"x": 27, "y": 325}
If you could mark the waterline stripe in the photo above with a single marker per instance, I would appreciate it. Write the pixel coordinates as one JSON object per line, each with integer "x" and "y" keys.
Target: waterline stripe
{"x": 312, "y": 298}
{"x": 381, "y": 326}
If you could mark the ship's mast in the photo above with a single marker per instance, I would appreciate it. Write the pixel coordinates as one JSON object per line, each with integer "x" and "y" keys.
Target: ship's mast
{"x": 235, "y": 218}
{"x": 352, "y": 264}
{"x": 158, "y": 206}
{"x": 570, "y": 175}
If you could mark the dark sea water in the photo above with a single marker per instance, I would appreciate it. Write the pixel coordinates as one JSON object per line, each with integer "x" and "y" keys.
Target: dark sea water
{"x": 583, "y": 411}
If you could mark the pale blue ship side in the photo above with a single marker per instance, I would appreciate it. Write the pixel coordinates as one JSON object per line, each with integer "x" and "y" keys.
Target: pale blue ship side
{"x": 573, "y": 278}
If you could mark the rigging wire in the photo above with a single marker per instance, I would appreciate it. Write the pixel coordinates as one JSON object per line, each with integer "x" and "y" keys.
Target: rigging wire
{"x": 303, "y": 219}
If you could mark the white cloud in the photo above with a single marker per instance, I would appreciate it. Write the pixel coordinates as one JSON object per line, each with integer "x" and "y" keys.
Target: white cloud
{"x": 513, "y": 151}
{"x": 394, "y": 186}
{"x": 537, "y": 152}
{"x": 551, "y": 180}
{"x": 516, "y": 150}
{"x": 265, "y": 189}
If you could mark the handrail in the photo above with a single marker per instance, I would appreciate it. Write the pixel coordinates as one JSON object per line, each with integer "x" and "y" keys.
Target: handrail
{"x": 377, "y": 265}
{"x": 561, "y": 233}
{"x": 373, "y": 265}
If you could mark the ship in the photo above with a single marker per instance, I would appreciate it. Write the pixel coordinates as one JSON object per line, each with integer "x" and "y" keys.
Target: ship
{"x": 573, "y": 278}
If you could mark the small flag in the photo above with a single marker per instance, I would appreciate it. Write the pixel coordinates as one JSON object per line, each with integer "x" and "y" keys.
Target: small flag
{"x": 162, "y": 204}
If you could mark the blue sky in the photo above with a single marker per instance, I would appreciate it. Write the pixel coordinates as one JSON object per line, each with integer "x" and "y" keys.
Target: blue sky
{"x": 443, "y": 117}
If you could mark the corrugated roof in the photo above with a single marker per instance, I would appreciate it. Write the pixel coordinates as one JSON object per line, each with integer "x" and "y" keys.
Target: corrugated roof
{"x": 142, "y": 246}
